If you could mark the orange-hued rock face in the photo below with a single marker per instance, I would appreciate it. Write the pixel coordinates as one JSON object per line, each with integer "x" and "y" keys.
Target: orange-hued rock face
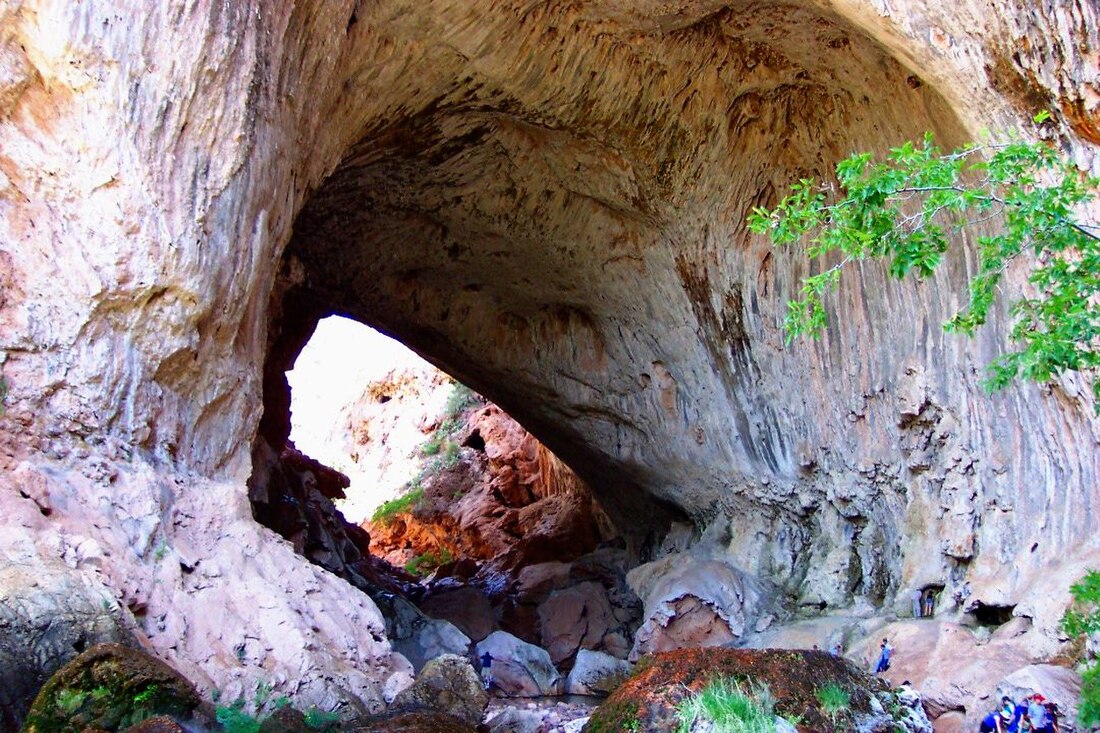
{"x": 548, "y": 200}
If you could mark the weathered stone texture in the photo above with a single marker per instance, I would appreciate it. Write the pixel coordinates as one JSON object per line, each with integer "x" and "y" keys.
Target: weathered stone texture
{"x": 547, "y": 199}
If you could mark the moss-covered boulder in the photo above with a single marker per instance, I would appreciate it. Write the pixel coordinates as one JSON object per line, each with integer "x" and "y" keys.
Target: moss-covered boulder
{"x": 648, "y": 701}
{"x": 109, "y": 686}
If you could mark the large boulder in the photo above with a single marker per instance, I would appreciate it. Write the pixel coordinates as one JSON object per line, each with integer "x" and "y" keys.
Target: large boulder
{"x": 447, "y": 684}
{"x": 416, "y": 636}
{"x": 1059, "y": 685}
{"x": 49, "y": 613}
{"x": 596, "y": 673}
{"x": 575, "y": 618}
{"x": 109, "y": 686}
{"x": 466, "y": 607}
{"x": 648, "y": 701}
{"x": 693, "y": 601}
{"x": 520, "y": 669}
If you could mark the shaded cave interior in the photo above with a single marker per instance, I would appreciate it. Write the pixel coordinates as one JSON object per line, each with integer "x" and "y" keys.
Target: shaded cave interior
{"x": 572, "y": 248}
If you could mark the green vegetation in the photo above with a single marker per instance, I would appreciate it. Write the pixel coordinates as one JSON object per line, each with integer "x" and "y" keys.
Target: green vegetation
{"x": 729, "y": 707}
{"x": 401, "y": 505}
{"x": 321, "y": 720}
{"x": 69, "y": 702}
{"x": 75, "y": 709}
{"x": 427, "y": 562}
{"x": 905, "y": 210}
{"x": 233, "y": 719}
{"x": 442, "y": 452}
{"x": 1083, "y": 619}
{"x": 834, "y": 700}
{"x": 460, "y": 398}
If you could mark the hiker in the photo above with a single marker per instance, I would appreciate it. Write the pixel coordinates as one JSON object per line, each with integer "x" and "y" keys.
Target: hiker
{"x": 917, "y": 603}
{"x": 991, "y": 723}
{"x": 1038, "y": 714}
{"x": 838, "y": 649}
{"x": 487, "y": 669}
{"x": 884, "y": 656}
{"x": 907, "y": 695}
{"x": 929, "y": 602}
{"x": 1010, "y": 714}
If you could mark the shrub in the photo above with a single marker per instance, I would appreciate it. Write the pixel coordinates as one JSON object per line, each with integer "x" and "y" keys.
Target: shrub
{"x": 233, "y": 719}
{"x": 320, "y": 719}
{"x": 729, "y": 708}
{"x": 833, "y": 699}
{"x": 401, "y": 505}
{"x": 427, "y": 562}
{"x": 432, "y": 446}
{"x": 1080, "y": 620}
{"x": 459, "y": 399}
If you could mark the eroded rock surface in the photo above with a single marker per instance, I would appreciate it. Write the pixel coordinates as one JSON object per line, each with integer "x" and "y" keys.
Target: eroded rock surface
{"x": 549, "y": 201}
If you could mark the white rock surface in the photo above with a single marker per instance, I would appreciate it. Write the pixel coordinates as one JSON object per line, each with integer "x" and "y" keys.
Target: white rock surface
{"x": 551, "y": 204}
{"x": 520, "y": 669}
{"x": 596, "y": 673}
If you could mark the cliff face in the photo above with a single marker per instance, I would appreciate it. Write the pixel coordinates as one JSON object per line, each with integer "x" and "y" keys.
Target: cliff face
{"x": 548, "y": 201}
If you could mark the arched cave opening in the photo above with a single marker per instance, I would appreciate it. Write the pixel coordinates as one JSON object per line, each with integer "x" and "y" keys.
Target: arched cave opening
{"x": 479, "y": 504}
{"x": 592, "y": 274}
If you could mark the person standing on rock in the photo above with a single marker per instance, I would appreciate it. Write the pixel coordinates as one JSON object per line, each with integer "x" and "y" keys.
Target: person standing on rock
{"x": 885, "y": 652}
{"x": 916, "y": 603}
{"x": 487, "y": 669}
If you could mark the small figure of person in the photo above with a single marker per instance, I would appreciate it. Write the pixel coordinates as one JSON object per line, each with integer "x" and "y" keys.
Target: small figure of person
{"x": 1037, "y": 713}
{"x": 838, "y": 649}
{"x": 917, "y": 603}
{"x": 995, "y": 722}
{"x": 885, "y": 652}
{"x": 487, "y": 669}
{"x": 907, "y": 695}
{"x": 929, "y": 603}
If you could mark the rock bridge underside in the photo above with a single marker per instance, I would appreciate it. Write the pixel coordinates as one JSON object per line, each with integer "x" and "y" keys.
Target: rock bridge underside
{"x": 546, "y": 199}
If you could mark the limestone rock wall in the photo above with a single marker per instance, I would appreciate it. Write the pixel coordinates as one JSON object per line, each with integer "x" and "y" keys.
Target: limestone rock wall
{"x": 547, "y": 199}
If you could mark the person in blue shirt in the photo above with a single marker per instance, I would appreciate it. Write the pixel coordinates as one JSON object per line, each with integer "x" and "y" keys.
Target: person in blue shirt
{"x": 487, "y": 669}
{"x": 886, "y": 651}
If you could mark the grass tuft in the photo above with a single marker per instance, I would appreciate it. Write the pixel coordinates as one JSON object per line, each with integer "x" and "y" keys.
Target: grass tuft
{"x": 401, "y": 505}
{"x": 729, "y": 707}
{"x": 834, "y": 700}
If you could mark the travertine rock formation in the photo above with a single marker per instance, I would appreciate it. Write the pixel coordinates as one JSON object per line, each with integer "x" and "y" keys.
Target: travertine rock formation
{"x": 547, "y": 199}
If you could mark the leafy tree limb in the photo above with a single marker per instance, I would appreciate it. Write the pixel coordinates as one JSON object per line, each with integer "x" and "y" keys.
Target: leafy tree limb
{"x": 907, "y": 208}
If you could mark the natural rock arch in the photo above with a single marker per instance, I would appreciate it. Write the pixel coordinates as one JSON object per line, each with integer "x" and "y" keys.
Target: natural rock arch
{"x": 547, "y": 199}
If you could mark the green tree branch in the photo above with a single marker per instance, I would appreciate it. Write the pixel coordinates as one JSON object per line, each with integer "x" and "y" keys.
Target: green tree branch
{"x": 906, "y": 210}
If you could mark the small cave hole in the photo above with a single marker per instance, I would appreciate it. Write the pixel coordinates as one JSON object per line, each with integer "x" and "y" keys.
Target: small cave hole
{"x": 930, "y": 596}
{"x": 475, "y": 441}
{"x": 384, "y": 398}
{"x": 991, "y": 615}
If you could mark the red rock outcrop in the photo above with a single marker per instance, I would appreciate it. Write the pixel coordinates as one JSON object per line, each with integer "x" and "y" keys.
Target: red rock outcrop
{"x": 508, "y": 500}
{"x": 508, "y": 507}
